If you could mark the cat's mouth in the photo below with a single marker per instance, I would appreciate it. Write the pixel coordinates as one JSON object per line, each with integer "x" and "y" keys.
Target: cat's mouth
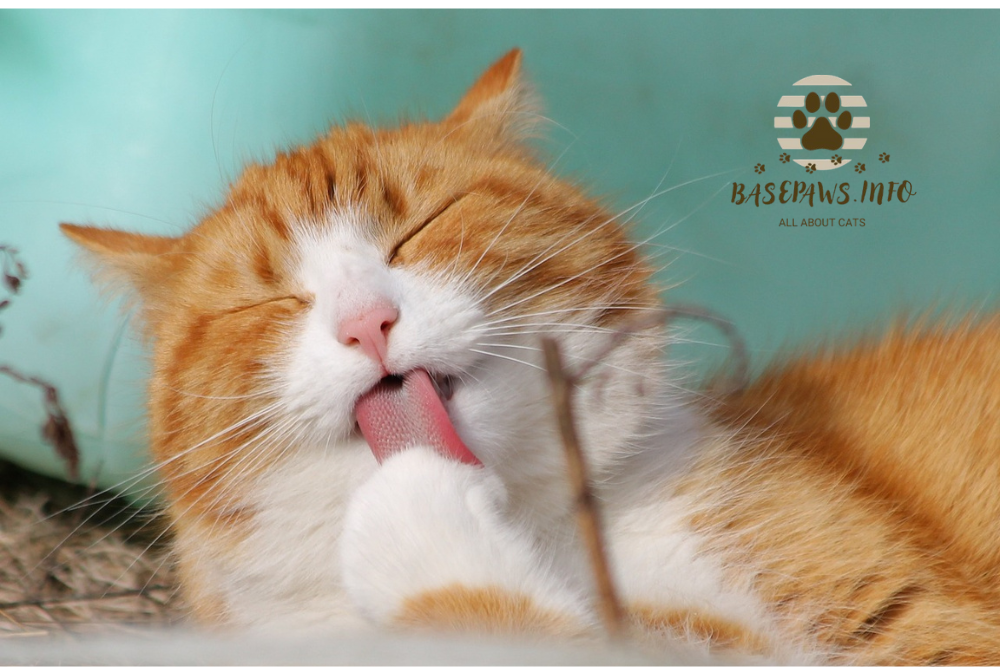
{"x": 408, "y": 410}
{"x": 444, "y": 385}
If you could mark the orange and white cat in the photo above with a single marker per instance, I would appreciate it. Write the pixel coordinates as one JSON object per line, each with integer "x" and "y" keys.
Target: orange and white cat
{"x": 348, "y": 410}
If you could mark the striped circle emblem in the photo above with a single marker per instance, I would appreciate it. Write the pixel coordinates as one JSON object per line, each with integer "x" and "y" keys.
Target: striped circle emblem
{"x": 798, "y": 114}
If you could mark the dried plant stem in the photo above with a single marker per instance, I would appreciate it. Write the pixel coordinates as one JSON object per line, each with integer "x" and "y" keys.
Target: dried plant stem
{"x": 587, "y": 512}
{"x": 44, "y": 602}
{"x": 563, "y": 383}
{"x": 57, "y": 429}
{"x": 740, "y": 358}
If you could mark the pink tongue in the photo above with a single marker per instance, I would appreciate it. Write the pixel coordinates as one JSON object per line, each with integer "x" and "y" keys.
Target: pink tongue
{"x": 396, "y": 415}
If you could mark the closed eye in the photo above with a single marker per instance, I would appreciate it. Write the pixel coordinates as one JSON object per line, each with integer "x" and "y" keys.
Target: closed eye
{"x": 422, "y": 226}
{"x": 304, "y": 299}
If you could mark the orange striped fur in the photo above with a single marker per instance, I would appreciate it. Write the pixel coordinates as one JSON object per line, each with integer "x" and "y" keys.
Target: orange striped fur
{"x": 483, "y": 610}
{"x": 854, "y": 491}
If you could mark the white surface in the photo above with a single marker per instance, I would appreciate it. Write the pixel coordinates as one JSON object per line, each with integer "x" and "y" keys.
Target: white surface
{"x": 185, "y": 648}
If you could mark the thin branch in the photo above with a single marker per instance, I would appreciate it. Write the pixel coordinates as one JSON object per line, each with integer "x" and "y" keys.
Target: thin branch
{"x": 737, "y": 348}
{"x": 740, "y": 370}
{"x": 11, "y": 619}
{"x": 91, "y": 597}
{"x": 12, "y": 269}
{"x": 564, "y": 383}
{"x": 57, "y": 429}
{"x": 634, "y": 325}
{"x": 587, "y": 512}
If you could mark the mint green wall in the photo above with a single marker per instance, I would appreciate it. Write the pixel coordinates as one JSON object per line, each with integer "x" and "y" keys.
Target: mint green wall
{"x": 137, "y": 119}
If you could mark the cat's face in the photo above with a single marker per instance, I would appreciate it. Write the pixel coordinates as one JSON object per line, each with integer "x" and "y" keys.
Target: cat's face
{"x": 438, "y": 247}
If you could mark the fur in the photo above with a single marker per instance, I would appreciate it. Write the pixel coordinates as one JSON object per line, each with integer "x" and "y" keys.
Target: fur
{"x": 840, "y": 509}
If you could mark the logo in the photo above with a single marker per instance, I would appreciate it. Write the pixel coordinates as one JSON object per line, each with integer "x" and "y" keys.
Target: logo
{"x": 825, "y": 125}
{"x": 821, "y": 126}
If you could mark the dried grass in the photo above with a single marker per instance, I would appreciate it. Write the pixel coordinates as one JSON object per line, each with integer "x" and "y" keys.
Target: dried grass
{"x": 63, "y": 571}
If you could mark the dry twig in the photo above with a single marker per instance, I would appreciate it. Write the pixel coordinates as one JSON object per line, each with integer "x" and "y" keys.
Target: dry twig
{"x": 563, "y": 383}
{"x": 587, "y": 513}
{"x": 57, "y": 429}
{"x": 53, "y": 575}
{"x": 740, "y": 366}
{"x": 91, "y": 597}
{"x": 62, "y": 576}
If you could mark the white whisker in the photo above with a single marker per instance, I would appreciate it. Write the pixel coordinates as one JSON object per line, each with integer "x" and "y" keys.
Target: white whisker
{"x": 514, "y": 359}
{"x": 518, "y": 210}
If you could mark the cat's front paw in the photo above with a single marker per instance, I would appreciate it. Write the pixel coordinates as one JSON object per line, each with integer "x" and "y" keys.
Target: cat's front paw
{"x": 424, "y": 523}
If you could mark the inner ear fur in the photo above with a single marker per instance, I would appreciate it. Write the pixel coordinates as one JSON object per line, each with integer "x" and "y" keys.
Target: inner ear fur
{"x": 138, "y": 264}
{"x": 499, "y": 104}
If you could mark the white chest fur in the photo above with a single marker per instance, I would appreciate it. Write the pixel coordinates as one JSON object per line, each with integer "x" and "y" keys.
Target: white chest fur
{"x": 660, "y": 562}
{"x": 289, "y": 576}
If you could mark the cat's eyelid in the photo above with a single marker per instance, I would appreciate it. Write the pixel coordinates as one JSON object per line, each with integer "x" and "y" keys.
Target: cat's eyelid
{"x": 304, "y": 298}
{"x": 438, "y": 212}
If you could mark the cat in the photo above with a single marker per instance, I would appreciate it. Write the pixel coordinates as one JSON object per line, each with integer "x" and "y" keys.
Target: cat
{"x": 350, "y": 414}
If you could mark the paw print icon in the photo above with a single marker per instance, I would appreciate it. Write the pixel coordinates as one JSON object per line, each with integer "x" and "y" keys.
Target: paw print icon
{"x": 822, "y": 135}
{"x": 821, "y": 123}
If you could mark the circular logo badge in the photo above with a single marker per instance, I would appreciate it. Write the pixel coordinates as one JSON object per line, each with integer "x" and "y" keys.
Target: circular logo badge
{"x": 822, "y": 124}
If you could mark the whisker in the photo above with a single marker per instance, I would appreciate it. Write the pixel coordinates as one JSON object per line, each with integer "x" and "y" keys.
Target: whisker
{"x": 142, "y": 474}
{"x": 131, "y": 482}
{"x": 211, "y": 114}
{"x": 500, "y": 356}
{"x": 559, "y": 311}
{"x": 516, "y": 347}
{"x": 519, "y": 209}
{"x": 212, "y": 487}
{"x": 219, "y": 462}
{"x": 87, "y": 205}
{"x": 259, "y": 394}
{"x": 637, "y": 207}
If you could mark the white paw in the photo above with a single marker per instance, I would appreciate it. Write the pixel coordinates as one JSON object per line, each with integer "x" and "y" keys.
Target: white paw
{"x": 423, "y": 522}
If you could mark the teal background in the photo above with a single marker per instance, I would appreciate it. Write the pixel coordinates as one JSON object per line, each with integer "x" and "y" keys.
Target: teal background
{"x": 138, "y": 118}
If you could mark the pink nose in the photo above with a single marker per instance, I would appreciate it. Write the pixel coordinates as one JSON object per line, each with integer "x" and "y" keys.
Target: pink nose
{"x": 370, "y": 330}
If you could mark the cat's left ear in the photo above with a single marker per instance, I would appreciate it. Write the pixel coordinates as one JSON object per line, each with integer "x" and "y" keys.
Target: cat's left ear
{"x": 499, "y": 104}
{"x": 138, "y": 265}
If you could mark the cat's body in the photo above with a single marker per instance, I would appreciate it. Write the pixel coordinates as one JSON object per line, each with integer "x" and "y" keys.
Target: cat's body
{"x": 841, "y": 509}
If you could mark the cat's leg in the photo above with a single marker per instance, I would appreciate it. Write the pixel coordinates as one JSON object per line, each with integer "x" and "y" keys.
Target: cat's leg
{"x": 426, "y": 543}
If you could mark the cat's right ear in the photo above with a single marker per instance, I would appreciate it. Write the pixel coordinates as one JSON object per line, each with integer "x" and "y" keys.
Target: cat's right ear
{"x": 138, "y": 264}
{"x": 500, "y": 104}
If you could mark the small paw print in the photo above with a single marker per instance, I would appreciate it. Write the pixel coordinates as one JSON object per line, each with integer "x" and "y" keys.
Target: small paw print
{"x": 822, "y": 135}
{"x": 810, "y": 168}
{"x": 860, "y": 167}
{"x": 785, "y": 157}
{"x": 883, "y": 157}
{"x": 759, "y": 168}
{"x": 836, "y": 159}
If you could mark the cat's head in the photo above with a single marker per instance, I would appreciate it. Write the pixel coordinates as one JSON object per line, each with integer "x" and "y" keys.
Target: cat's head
{"x": 436, "y": 246}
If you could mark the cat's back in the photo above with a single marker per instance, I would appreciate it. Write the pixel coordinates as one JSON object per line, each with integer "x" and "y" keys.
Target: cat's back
{"x": 860, "y": 492}
{"x": 912, "y": 416}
